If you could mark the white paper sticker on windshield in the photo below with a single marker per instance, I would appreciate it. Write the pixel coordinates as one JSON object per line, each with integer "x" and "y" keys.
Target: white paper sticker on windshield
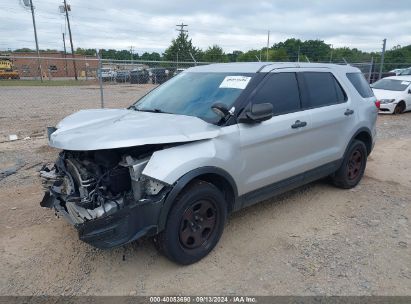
{"x": 235, "y": 82}
{"x": 405, "y": 82}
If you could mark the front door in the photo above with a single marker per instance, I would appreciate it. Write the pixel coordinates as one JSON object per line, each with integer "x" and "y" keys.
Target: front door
{"x": 274, "y": 150}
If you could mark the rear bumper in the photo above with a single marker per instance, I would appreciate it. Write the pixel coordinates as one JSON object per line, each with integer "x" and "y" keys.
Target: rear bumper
{"x": 126, "y": 225}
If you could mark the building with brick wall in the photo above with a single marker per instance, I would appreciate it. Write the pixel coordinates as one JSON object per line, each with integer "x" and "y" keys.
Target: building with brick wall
{"x": 54, "y": 64}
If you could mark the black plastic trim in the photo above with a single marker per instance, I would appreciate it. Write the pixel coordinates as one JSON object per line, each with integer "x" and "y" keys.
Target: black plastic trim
{"x": 360, "y": 130}
{"x": 285, "y": 185}
{"x": 126, "y": 225}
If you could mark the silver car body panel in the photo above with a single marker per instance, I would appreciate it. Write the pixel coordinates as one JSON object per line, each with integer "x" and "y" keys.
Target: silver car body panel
{"x": 254, "y": 155}
{"x": 257, "y": 155}
{"x": 117, "y": 128}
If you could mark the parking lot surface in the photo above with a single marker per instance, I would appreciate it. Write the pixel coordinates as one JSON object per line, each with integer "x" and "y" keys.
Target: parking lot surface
{"x": 315, "y": 240}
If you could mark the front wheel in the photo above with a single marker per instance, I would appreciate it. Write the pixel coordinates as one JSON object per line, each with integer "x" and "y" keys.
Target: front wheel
{"x": 399, "y": 108}
{"x": 353, "y": 166}
{"x": 194, "y": 225}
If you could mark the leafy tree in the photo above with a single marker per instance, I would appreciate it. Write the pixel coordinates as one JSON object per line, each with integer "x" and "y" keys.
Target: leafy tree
{"x": 85, "y": 52}
{"x": 151, "y": 56}
{"x": 292, "y": 48}
{"x": 214, "y": 54}
{"x": 23, "y": 50}
{"x": 180, "y": 49}
{"x": 232, "y": 57}
{"x": 251, "y": 55}
{"x": 397, "y": 57}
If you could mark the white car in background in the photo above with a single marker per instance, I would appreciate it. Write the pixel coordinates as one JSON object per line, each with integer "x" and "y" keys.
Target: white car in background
{"x": 405, "y": 72}
{"x": 394, "y": 94}
{"x": 107, "y": 74}
{"x": 397, "y": 71}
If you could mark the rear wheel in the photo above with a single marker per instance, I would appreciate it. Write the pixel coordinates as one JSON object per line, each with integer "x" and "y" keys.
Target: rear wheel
{"x": 353, "y": 166}
{"x": 194, "y": 225}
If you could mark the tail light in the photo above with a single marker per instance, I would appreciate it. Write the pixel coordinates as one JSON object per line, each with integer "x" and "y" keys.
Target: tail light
{"x": 377, "y": 104}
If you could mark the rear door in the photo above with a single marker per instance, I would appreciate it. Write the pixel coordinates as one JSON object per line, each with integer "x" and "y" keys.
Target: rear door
{"x": 274, "y": 150}
{"x": 332, "y": 114}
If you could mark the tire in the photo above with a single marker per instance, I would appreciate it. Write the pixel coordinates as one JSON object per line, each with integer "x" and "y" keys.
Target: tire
{"x": 194, "y": 225}
{"x": 353, "y": 166}
{"x": 399, "y": 108}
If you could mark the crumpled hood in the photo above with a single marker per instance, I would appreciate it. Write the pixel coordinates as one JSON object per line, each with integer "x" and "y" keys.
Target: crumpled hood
{"x": 386, "y": 94}
{"x": 117, "y": 128}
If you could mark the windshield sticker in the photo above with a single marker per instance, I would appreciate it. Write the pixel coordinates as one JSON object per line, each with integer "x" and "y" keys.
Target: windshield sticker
{"x": 405, "y": 82}
{"x": 235, "y": 82}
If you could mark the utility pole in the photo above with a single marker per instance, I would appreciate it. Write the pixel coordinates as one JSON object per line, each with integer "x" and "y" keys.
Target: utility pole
{"x": 384, "y": 43}
{"x": 65, "y": 53}
{"x": 66, "y": 10}
{"x": 298, "y": 55}
{"x": 131, "y": 55}
{"x": 371, "y": 69}
{"x": 182, "y": 31}
{"x": 331, "y": 54}
{"x": 37, "y": 42}
{"x": 268, "y": 44}
{"x": 181, "y": 26}
{"x": 100, "y": 79}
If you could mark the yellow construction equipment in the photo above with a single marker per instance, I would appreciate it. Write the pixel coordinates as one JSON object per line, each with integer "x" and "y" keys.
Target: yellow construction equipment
{"x": 7, "y": 70}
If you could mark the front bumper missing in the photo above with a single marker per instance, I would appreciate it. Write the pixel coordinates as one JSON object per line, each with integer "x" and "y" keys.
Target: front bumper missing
{"x": 126, "y": 225}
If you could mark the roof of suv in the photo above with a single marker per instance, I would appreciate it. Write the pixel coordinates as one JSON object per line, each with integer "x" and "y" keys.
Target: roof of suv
{"x": 253, "y": 67}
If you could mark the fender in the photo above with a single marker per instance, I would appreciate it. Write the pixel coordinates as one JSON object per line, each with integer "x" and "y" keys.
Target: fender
{"x": 362, "y": 129}
{"x": 183, "y": 181}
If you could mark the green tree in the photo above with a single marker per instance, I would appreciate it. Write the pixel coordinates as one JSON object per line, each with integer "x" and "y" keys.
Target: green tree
{"x": 251, "y": 55}
{"x": 214, "y": 54}
{"x": 151, "y": 56}
{"x": 292, "y": 48}
{"x": 85, "y": 52}
{"x": 180, "y": 49}
{"x": 233, "y": 57}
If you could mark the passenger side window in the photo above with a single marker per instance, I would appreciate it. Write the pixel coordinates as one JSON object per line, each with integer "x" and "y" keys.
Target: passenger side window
{"x": 281, "y": 90}
{"x": 322, "y": 89}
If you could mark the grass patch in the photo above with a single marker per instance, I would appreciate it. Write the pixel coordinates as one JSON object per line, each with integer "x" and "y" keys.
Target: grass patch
{"x": 45, "y": 83}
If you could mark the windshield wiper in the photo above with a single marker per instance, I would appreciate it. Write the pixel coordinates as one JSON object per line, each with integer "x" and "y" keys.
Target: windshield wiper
{"x": 151, "y": 110}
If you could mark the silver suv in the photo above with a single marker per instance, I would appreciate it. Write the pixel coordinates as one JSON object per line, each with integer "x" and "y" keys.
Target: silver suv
{"x": 210, "y": 141}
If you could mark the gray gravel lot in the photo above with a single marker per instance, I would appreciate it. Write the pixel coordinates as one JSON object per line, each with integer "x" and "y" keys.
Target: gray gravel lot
{"x": 314, "y": 240}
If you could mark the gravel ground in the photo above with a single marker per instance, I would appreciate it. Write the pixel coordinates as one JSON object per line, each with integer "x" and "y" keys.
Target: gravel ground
{"x": 316, "y": 240}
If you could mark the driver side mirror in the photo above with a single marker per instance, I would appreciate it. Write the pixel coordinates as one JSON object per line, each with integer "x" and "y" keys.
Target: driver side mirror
{"x": 256, "y": 113}
{"x": 409, "y": 91}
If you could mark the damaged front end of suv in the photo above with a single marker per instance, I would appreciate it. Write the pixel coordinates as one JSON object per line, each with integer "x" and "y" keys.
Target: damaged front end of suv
{"x": 98, "y": 183}
{"x": 104, "y": 194}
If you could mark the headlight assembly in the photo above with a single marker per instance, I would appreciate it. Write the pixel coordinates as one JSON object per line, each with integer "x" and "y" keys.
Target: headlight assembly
{"x": 383, "y": 101}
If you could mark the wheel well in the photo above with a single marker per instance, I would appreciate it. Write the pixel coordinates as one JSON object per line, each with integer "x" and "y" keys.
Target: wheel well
{"x": 223, "y": 185}
{"x": 365, "y": 137}
{"x": 402, "y": 103}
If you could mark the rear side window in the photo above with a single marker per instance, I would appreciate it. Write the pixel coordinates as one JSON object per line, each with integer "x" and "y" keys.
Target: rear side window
{"x": 322, "y": 89}
{"x": 281, "y": 90}
{"x": 360, "y": 84}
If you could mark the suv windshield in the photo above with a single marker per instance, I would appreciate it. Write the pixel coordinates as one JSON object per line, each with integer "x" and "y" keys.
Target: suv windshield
{"x": 391, "y": 85}
{"x": 193, "y": 94}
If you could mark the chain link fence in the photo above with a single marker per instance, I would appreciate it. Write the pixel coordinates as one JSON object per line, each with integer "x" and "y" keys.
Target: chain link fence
{"x": 28, "y": 105}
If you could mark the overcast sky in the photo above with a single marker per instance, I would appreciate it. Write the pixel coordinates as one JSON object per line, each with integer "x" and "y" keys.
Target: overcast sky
{"x": 149, "y": 25}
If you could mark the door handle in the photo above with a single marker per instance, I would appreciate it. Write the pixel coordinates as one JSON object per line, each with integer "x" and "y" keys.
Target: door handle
{"x": 299, "y": 124}
{"x": 348, "y": 112}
